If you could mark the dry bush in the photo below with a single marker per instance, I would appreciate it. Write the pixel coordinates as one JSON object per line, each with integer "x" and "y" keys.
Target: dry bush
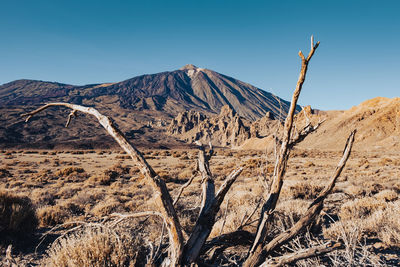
{"x": 58, "y": 214}
{"x": 116, "y": 171}
{"x": 355, "y": 252}
{"x": 372, "y": 187}
{"x": 165, "y": 153}
{"x": 385, "y": 161}
{"x": 309, "y": 164}
{"x": 17, "y": 214}
{"x": 99, "y": 179}
{"x": 69, "y": 171}
{"x": 302, "y": 190}
{"x": 77, "y": 152}
{"x": 387, "y": 195}
{"x": 123, "y": 157}
{"x": 355, "y": 190}
{"x": 380, "y": 220}
{"x": 177, "y": 153}
{"x": 106, "y": 207}
{"x": 91, "y": 248}
{"x": 43, "y": 197}
{"x": 185, "y": 174}
{"x": 387, "y": 224}
{"x": 184, "y": 156}
{"x": 69, "y": 191}
{"x": 360, "y": 208}
{"x": 52, "y": 215}
{"x": 4, "y": 173}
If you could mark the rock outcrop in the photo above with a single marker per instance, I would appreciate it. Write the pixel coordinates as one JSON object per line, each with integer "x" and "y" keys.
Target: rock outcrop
{"x": 225, "y": 129}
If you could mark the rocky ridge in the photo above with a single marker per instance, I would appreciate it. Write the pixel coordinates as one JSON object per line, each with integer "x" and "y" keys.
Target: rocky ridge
{"x": 225, "y": 129}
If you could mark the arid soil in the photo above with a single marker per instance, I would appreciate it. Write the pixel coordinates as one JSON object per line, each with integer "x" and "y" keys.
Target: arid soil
{"x": 90, "y": 185}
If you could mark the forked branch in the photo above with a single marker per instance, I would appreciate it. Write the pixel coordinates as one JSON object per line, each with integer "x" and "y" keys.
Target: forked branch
{"x": 281, "y": 161}
{"x": 162, "y": 195}
{"x": 210, "y": 205}
{"x": 261, "y": 252}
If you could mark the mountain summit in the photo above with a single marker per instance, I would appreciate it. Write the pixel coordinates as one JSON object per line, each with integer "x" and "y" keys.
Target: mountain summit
{"x": 189, "y": 88}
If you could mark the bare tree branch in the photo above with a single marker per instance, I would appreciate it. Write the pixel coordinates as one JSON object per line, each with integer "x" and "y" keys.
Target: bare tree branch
{"x": 301, "y": 135}
{"x": 302, "y": 254}
{"x": 162, "y": 195}
{"x": 208, "y": 185}
{"x": 183, "y": 188}
{"x": 281, "y": 161}
{"x": 211, "y": 203}
{"x": 313, "y": 211}
{"x": 245, "y": 221}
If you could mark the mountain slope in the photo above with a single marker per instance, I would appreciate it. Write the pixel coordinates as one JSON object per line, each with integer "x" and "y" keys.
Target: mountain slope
{"x": 144, "y": 100}
{"x": 189, "y": 88}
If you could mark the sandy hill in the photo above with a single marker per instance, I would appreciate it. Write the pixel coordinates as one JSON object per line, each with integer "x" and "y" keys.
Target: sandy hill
{"x": 377, "y": 122}
{"x": 139, "y": 105}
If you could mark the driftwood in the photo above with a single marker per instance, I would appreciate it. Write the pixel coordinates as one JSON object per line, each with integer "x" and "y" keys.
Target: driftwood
{"x": 302, "y": 254}
{"x": 211, "y": 201}
{"x": 210, "y": 205}
{"x": 183, "y": 188}
{"x": 185, "y": 250}
{"x": 162, "y": 195}
{"x": 281, "y": 161}
{"x": 313, "y": 211}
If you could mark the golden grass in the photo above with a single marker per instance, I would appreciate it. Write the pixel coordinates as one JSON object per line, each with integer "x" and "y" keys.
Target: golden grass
{"x": 93, "y": 247}
{"x": 69, "y": 186}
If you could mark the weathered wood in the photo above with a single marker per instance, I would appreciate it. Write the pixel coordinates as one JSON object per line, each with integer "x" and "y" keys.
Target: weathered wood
{"x": 163, "y": 197}
{"x": 208, "y": 185}
{"x": 261, "y": 252}
{"x": 183, "y": 188}
{"x": 301, "y": 135}
{"x": 210, "y": 205}
{"x": 302, "y": 254}
{"x": 281, "y": 161}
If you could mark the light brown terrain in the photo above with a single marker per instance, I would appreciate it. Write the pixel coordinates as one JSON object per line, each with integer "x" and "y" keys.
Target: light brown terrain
{"x": 71, "y": 186}
{"x": 377, "y": 122}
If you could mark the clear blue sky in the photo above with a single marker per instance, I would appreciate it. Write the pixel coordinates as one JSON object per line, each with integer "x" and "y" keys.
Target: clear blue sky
{"x": 81, "y": 42}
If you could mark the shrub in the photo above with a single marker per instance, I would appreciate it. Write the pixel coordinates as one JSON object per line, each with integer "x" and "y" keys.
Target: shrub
{"x": 360, "y": 208}
{"x": 303, "y": 190}
{"x": 91, "y": 247}
{"x": 52, "y": 215}
{"x": 70, "y": 170}
{"x": 4, "y": 173}
{"x": 387, "y": 195}
{"x": 58, "y": 214}
{"x": 17, "y": 214}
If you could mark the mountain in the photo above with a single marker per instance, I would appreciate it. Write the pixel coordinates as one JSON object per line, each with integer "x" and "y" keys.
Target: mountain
{"x": 189, "y": 88}
{"x": 133, "y": 103}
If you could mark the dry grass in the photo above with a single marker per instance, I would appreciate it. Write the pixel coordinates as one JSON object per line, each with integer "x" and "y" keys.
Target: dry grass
{"x": 66, "y": 186}
{"x": 93, "y": 247}
{"x": 17, "y": 215}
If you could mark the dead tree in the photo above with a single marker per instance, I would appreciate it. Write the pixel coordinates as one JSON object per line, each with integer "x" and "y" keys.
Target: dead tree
{"x": 184, "y": 251}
